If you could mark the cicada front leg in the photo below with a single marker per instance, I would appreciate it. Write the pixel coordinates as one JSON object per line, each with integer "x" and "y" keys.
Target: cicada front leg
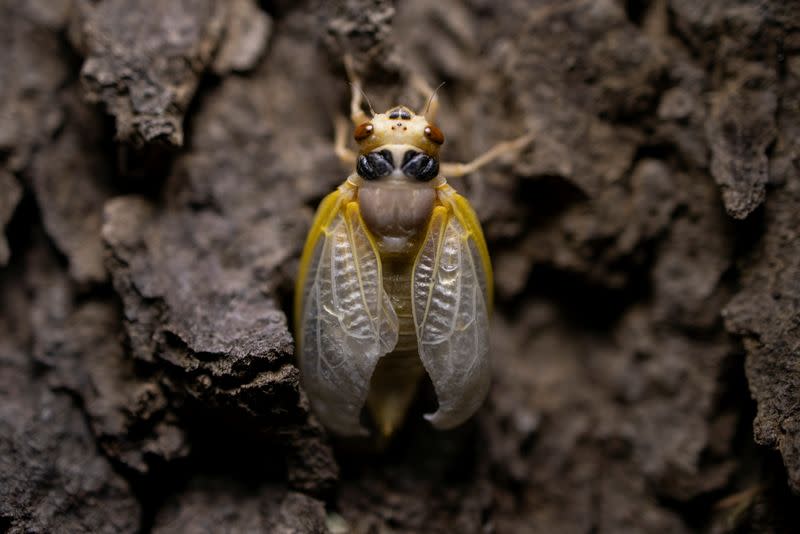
{"x": 357, "y": 114}
{"x": 454, "y": 170}
{"x": 345, "y": 155}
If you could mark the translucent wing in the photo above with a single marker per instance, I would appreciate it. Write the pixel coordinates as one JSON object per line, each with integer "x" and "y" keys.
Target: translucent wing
{"x": 452, "y": 285}
{"x": 344, "y": 317}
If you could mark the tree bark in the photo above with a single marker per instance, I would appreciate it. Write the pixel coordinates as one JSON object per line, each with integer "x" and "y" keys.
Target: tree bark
{"x": 159, "y": 166}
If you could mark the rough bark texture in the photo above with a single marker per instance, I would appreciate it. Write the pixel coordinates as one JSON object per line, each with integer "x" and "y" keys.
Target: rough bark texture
{"x": 159, "y": 166}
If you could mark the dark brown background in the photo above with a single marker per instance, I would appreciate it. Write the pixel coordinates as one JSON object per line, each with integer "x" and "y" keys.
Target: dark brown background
{"x": 159, "y": 164}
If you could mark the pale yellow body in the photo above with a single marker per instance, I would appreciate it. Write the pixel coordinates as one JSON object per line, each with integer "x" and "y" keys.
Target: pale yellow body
{"x": 395, "y": 282}
{"x": 397, "y": 376}
{"x": 394, "y": 374}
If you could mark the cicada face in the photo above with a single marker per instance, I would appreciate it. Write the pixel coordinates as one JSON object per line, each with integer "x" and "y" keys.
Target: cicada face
{"x": 395, "y": 282}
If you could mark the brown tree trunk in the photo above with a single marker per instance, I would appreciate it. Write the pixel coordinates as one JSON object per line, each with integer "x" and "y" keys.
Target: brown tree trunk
{"x": 159, "y": 164}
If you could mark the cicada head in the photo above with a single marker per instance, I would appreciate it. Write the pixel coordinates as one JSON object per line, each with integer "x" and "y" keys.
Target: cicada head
{"x": 399, "y": 126}
{"x": 398, "y": 143}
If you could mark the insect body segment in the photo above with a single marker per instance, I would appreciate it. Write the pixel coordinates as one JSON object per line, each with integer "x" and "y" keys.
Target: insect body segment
{"x": 395, "y": 282}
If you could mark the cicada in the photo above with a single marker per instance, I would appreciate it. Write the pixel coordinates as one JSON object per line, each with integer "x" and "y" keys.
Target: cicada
{"x": 395, "y": 279}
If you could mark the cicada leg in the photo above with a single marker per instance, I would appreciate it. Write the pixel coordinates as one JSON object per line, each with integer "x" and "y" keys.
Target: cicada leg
{"x": 345, "y": 155}
{"x": 451, "y": 170}
{"x": 357, "y": 114}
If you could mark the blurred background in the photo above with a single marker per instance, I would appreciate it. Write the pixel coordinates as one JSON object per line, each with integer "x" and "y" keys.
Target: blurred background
{"x": 160, "y": 162}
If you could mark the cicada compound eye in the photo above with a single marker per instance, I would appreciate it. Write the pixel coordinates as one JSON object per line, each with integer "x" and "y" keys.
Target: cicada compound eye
{"x": 434, "y": 134}
{"x": 363, "y": 131}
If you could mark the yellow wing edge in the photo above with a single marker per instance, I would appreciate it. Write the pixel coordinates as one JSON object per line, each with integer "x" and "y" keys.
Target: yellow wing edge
{"x": 334, "y": 203}
{"x": 326, "y": 211}
{"x": 463, "y": 211}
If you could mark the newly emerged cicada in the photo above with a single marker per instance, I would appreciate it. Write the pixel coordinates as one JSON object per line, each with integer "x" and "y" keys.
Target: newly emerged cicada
{"x": 395, "y": 280}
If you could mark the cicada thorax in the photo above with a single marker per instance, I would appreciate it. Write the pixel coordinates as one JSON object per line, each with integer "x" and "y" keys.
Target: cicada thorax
{"x": 397, "y": 215}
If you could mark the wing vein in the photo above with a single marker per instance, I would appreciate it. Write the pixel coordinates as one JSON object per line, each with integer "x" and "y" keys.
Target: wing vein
{"x": 459, "y": 288}
{"x": 434, "y": 268}
{"x": 474, "y": 314}
{"x": 352, "y": 240}
{"x": 317, "y": 300}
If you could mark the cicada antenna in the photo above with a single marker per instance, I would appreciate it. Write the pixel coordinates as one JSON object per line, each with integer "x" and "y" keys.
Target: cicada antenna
{"x": 430, "y": 101}
{"x": 357, "y": 86}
